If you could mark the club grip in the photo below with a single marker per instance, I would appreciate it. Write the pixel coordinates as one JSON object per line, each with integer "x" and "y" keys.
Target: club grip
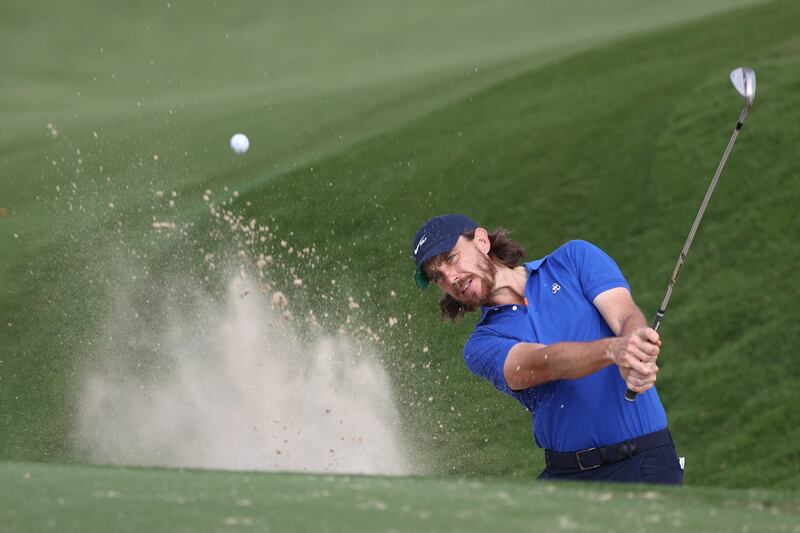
{"x": 630, "y": 395}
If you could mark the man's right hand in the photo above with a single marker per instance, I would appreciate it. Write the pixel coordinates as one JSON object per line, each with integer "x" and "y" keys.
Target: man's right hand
{"x": 636, "y": 356}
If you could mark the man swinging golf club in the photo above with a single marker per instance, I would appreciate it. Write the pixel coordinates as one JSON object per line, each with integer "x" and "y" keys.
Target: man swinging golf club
{"x": 563, "y": 336}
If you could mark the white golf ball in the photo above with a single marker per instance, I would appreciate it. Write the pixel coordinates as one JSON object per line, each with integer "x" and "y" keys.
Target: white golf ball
{"x": 240, "y": 143}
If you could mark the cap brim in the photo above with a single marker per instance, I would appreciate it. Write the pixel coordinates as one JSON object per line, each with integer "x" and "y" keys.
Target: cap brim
{"x": 421, "y": 279}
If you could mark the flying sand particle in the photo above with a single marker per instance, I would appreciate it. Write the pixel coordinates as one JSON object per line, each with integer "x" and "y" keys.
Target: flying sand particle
{"x": 264, "y": 287}
{"x": 279, "y": 299}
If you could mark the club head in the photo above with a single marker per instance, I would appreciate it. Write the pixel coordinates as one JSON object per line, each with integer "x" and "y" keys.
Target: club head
{"x": 744, "y": 79}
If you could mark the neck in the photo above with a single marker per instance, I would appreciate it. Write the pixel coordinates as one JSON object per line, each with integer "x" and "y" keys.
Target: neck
{"x": 509, "y": 285}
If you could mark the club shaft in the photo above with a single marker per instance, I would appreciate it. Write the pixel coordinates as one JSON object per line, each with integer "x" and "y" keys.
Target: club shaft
{"x": 631, "y": 395}
{"x": 697, "y": 220}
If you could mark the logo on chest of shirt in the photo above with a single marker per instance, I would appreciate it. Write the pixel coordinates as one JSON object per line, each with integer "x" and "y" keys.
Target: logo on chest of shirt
{"x": 555, "y": 288}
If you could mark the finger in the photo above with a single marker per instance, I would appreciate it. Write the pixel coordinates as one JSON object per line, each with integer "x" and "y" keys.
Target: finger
{"x": 651, "y": 335}
{"x": 639, "y": 346}
{"x": 644, "y": 354}
{"x": 650, "y": 350}
{"x": 636, "y": 365}
{"x": 639, "y": 385}
{"x": 644, "y": 368}
{"x": 646, "y": 345}
{"x": 640, "y": 390}
{"x": 652, "y": 370}
{"x": 633, "y": 351}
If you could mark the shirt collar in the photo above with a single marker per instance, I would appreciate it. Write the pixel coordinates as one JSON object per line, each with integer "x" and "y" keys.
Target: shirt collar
{"x": 534, "y": 265}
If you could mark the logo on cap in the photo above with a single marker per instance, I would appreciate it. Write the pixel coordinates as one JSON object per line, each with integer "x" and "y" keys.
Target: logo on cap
{"x": 420, "y": 243}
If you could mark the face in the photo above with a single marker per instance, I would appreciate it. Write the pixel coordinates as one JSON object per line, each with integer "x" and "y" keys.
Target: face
{"x": 466, "y": 273}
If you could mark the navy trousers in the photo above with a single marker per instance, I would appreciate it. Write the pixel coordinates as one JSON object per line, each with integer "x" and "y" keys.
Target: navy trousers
{"x": 657, "y": 465}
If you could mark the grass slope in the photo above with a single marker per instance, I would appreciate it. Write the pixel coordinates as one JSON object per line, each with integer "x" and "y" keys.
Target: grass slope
{"x": 70, "y": 498}
{"x": 351, "y": 153}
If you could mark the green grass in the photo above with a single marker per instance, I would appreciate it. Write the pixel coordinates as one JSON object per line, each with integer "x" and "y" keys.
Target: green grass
{"x": 556, "y": 122}
{"x": 65, "y": 498}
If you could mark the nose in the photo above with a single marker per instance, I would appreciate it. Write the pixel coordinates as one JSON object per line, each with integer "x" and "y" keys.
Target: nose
{"x": 451, "y": 276}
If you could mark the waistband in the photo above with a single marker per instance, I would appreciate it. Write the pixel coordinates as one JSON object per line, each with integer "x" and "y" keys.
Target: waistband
{"x": 597, "y": 457}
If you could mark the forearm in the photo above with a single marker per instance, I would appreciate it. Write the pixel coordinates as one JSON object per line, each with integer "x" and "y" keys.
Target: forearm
{"x": 633, "y": 321}
{"x": 529, "y": 365}
{"x": 619, "y": 311}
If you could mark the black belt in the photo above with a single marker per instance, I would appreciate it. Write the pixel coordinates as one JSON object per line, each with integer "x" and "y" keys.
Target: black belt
{"x": 597, "y": 457}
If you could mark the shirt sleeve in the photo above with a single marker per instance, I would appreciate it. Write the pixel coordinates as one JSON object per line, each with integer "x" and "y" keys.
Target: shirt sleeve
{"x": 485, "y": 355}
{"x": 594, "y": 268}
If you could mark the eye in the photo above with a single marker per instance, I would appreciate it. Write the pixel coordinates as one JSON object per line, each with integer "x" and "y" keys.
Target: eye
{"x": 451, "y": 259}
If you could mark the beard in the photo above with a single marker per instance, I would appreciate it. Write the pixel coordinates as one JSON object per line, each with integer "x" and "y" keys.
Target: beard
{"x": 486, "y": 272}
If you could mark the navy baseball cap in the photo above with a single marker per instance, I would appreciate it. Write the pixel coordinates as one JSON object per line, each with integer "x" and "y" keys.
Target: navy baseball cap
{"x": 437, "y": 236}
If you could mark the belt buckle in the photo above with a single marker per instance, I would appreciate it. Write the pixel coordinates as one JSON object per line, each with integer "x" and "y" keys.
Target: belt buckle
{"x": 578, "y": 458}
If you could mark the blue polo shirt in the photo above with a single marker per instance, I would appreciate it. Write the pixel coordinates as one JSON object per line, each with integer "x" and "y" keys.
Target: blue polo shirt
{"x": 568, "y": 415}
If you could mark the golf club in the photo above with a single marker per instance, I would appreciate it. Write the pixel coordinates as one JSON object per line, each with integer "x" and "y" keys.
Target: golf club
{"x": 744, "y": 80}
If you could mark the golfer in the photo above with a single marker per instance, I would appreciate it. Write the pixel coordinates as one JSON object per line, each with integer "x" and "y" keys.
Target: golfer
{"x": 563, "y": 336}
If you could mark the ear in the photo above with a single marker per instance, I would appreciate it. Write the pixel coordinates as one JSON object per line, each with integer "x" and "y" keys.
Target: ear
{"x": 481, "y": 240}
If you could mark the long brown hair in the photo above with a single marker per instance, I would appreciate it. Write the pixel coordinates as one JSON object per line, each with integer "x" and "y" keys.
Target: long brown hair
{"x": 502, "y": 250}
